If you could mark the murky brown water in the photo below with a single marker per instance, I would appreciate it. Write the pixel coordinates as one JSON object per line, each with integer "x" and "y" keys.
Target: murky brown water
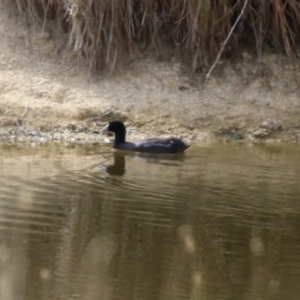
{"x": 220, "y": 222}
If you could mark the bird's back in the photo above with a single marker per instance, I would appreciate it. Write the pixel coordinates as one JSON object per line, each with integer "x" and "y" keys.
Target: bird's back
{"x": 154, "y": 145}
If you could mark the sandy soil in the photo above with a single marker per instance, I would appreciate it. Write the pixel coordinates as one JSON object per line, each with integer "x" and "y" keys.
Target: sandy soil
{"x": 47, "y": 94}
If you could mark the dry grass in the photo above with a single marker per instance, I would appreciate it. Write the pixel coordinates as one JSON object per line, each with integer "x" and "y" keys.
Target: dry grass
{"x": 107, "y": 31}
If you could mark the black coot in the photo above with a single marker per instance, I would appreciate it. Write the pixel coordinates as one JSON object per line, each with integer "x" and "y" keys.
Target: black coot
{"x": 167, "y": 145}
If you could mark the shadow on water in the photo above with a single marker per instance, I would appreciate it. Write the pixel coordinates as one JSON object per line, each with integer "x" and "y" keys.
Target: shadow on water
{"x": 119, "y": 166}
{"x": 220, "y": 222}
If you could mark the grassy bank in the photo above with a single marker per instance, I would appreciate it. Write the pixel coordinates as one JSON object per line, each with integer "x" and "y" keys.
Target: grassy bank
{"x": 107, "y": 33}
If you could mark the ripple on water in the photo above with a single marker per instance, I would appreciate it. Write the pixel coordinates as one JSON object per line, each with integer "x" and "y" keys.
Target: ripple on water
{"x": 220, "y": 222}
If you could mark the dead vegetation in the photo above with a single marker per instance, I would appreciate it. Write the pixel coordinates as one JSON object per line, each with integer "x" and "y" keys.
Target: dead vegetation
{"x": 108, "y": 32}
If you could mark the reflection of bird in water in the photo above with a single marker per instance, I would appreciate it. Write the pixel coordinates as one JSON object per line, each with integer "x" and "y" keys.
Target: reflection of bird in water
{"x": 118, "y": 168}
{"x": 167, "y": 145}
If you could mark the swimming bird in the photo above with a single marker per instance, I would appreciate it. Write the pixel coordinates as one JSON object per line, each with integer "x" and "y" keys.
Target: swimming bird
{"x": 154, "y": 145}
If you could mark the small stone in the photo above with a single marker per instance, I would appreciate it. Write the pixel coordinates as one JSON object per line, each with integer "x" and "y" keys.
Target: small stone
{"x": 271, "y": 124}
{"x": 261, "y": 133}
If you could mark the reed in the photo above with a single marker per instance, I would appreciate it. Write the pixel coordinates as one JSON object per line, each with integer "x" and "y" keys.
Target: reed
{"x": 106, "y": 32}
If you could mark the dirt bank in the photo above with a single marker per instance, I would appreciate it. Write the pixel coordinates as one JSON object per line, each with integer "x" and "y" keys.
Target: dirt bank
{"x": 47, "y": 95}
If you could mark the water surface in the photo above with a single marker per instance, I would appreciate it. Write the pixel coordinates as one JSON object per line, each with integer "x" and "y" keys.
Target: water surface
{"x": 220, "y": 222}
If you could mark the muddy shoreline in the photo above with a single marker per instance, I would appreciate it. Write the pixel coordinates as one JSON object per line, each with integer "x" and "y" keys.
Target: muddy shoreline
{"x": 88, "y": 133}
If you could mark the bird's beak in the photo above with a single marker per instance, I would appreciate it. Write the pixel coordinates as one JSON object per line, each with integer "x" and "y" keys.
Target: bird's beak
{"x": 105, "y": 129}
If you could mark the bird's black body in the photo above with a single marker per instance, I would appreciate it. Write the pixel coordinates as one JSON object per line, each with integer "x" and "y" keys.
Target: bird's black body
{"x": 154, "y": 145}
